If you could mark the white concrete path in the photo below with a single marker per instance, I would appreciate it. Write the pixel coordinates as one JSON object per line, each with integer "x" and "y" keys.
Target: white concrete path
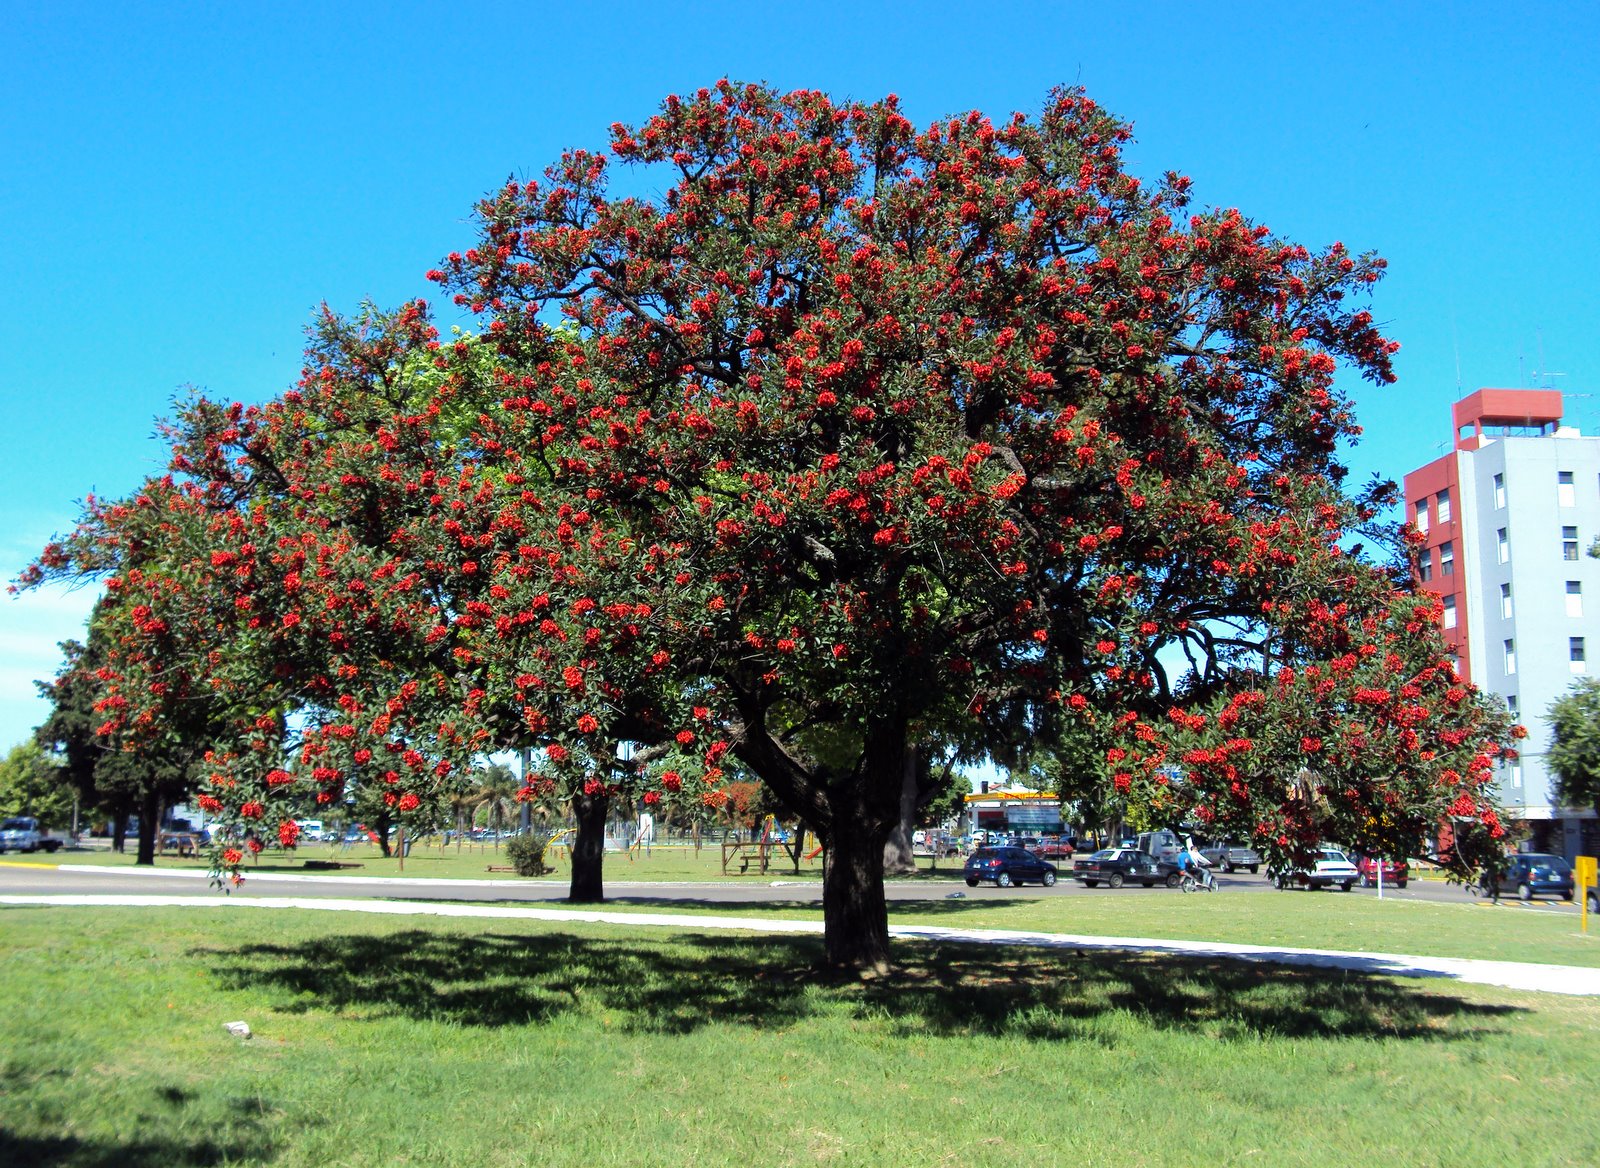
{"x": 1555, "y": 979}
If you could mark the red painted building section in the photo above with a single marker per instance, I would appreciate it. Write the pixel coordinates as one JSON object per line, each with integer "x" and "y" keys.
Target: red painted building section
{"x": 1491, "y": 408}
{"x": 1424, "y": 486}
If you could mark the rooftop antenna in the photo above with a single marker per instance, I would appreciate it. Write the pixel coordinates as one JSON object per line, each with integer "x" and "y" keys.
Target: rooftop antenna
{"x": 1455, "y": 343}
{"x": 1542, "y": 372}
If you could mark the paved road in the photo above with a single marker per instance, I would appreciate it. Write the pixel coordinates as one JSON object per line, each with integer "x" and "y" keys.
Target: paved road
{"x": 22, "y": 877}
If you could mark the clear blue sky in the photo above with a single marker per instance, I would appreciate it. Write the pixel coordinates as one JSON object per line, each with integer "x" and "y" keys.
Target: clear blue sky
{"x": 180, "y": 190}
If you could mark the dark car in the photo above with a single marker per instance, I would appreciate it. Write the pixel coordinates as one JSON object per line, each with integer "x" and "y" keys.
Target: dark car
{"x": 1008, "y": 866}
{"x": 1229, "y": 856}
{"x": 1118, "y": 866}
{"x": 1531, "y": 874}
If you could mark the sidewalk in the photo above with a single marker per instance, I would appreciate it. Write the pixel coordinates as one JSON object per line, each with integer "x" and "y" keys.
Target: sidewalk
{"x": 1554, "y": 979}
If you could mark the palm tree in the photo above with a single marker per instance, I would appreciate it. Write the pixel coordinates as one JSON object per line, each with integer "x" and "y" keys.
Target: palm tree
{"x": 495, "y": 792}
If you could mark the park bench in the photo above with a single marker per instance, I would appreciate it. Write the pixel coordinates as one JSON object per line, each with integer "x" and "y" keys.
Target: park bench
{"x": 182, "y": 842}
{"x": 746, "y": 854}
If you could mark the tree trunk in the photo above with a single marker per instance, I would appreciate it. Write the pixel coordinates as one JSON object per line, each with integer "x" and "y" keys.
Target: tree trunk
{"x": 119, "y": 831}
{"x": 853, "y": 814}
{"x": 382, "y": 832}
{"x": 149, "y": 809}
{"x": 589, "y": 849}
{"x": 854, "y": 915}
{"x": 899, "y": 857}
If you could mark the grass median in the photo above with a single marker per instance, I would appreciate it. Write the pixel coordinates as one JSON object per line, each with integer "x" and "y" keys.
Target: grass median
{"x": 1297, "y": 920}
{"x": 1508, "y": 931}
{"x": 478, "y": 861}
{"x": 438, "y": 1042}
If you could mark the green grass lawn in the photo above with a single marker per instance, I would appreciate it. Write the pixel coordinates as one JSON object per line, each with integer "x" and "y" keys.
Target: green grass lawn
{"x": 436, "y": 1042}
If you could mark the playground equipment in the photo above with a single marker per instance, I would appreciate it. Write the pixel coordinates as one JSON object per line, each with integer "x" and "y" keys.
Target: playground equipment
{"x": 774, "y": 839}
{"x": 562, "y": 840}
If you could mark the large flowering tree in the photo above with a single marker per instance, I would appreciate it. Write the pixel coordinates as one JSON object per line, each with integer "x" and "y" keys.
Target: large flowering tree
{"x": 858, "y": 438}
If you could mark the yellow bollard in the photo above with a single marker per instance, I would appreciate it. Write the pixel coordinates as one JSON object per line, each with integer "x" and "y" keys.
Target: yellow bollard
{"x": 1585, "y": 874}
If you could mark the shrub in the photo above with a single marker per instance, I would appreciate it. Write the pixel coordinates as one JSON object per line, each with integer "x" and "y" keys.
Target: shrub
{"x": 526, "y": 852}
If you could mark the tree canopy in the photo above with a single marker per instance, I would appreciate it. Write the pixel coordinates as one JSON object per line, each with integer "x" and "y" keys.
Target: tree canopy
{"x": 857, "y": 438}
{"x": 30, "y": 784}
{"x": 110, "y": 780}
{"x": 1574, "y": 753}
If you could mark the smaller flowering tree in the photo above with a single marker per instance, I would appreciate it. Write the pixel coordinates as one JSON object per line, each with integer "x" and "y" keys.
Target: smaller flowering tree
{"x": 1371, "y": 740}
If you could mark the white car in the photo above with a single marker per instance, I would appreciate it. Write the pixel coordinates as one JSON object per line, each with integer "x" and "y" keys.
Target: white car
{"x": 1331, "y": 867}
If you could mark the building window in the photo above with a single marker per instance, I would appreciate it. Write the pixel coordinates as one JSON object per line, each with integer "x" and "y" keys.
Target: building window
{"x": 1449, "y": 612}
{"x": 1569, "y": 543}
{"x": 1516, "y": 776}
{"x": 1574, "y": 598}
{"x": 1425, "y": 565}
{"x": 1447, "y": 558}
{"x": 1499, "y": 492}
{"x": 1444, "y": 505}
{"x": 1502, "y": 545}
{"x": 1509, "y": 648}
{"x": 1511, "y": 704}
{"x": 1575, "y": 655}
{"x": 1505, "y": 602}
{"x": 1422, "y": 516}
{"x": 1566, "y": 492}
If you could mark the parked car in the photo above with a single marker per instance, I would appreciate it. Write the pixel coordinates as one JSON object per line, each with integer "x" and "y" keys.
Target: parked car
{"x": 1531, "y": 874}
{"x": 1395, "y": 872}
{"x": 944, "y": 844}
{"x": 1007, "y": 866}
{"x": 1118, "y": 866}
{"x": 1229, "y": 856}
{"x": 1330, "y": 867}
{"x": 1055, "y": 847}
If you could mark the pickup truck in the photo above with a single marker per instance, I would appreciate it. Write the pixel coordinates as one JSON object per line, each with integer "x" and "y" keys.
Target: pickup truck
{"x": 22, "y": 834}
{"x": 1229, "y": 856}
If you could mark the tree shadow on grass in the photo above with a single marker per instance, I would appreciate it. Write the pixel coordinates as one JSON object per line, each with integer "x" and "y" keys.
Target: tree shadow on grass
{"x": 679, "y": 985}
{"x": 154, "y": 1130}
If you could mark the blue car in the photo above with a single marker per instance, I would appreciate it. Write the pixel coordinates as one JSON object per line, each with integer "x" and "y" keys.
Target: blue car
{"x": 1531, "y": 874}
{"x": 1008, "y": 866}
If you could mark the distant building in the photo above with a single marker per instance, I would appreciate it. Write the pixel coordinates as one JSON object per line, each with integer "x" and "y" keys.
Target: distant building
{"x": 1023, "y": 812}
{"x": 1509, "y": 516}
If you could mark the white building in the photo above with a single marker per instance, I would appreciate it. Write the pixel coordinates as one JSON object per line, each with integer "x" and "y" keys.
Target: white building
{"x": 1509, "y": 517}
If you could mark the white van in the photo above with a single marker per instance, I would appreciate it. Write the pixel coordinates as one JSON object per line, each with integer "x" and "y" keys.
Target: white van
{"x": 310, "y": 829}
{"x": 1163, "y": 845}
